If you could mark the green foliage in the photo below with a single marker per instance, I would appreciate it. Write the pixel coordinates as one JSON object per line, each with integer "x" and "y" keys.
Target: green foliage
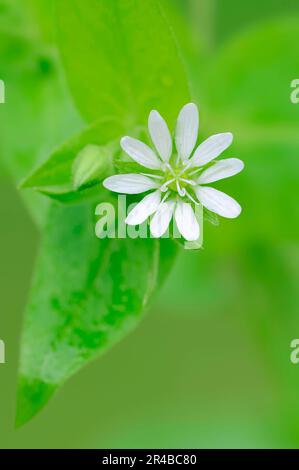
{"x": 86, "y": 295}
{"x": 121, "y": 59}
{"x": 55, "y": 176}
{"x": 241, "y": 287}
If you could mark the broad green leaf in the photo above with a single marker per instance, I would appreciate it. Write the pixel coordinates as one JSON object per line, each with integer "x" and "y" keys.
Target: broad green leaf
{"x": 55, "y": 176}
{"x": 87, "y": 294}
{"x": 43, "y": 16}
{"x": 121, "y": 59}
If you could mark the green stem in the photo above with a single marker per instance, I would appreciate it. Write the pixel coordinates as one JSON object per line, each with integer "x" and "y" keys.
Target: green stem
{"x": 202, "y": 17}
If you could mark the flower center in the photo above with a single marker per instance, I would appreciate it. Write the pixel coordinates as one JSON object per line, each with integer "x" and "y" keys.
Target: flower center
{"x": 176, "y": 179}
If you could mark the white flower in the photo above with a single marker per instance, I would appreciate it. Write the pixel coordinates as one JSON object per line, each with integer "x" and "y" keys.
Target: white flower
{"x": 179, "y": 177}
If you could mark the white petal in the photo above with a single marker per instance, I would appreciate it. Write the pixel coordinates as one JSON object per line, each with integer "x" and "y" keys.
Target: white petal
{"x": 146, "y": 207}
{"x": 131, "y": 183}
{"x": 160, "y": 135}
{"x": 218, "y": 202}
{"x": 161, "y": 220}
{"x": 211, "y": 148}
{"x": 141, "y": 153}
{"x": 186, "y": 221}
{"x": 186, "y": 130}
{"x": 220, "y": 170}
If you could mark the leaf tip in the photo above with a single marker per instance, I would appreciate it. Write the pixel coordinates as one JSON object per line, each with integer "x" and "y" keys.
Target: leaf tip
{"x": 32, "y": 396}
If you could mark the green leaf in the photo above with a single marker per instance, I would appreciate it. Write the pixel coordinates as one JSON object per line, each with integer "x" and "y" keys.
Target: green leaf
{"x": 55, "y": 176}
{"x": 87, "y": 294}
{"x": 121, "y": 59}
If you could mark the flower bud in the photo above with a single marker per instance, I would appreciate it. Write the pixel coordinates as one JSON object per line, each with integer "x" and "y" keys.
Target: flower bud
{"x": 92, "y": 164}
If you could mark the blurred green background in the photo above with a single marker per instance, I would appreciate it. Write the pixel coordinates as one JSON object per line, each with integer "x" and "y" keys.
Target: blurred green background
{"x": 219, "y": 374}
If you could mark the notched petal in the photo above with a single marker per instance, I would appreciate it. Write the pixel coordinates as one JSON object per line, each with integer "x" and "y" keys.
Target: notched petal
{"x": 146, "y": 207}
{"x": 186, "y": 221}
{"x": 218, "y": 202}
{"x": 162, "y": 218}
{"x": 130, "y": 183}
{"x": 211, "y": 148}
{"x": 140, "y": 153}
{"x": 221, "y": 170}
{"x": 160, "y": 135}
{"x": 187, "y": 130}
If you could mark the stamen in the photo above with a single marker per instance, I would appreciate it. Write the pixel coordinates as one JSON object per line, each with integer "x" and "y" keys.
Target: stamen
{"x": 195, "y": 171}
{"x": 177, "y": 160}
{"x": 187, "y": 164}
{"x": 188, "y": 181}
{"x": 164, "y": 186}
{"x": 170, "y": 169}
{"x": 192, "y": 199}
{"x": 181, "y": 191}
{"x": 165, "y": 197}
{"x": 152, "y": 176}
